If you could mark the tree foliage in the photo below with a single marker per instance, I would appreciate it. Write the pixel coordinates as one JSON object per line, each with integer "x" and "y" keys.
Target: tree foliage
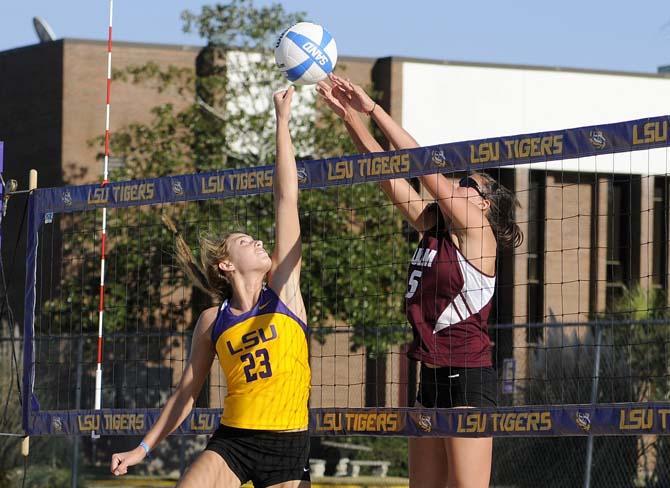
{"x": 641, "y": 335}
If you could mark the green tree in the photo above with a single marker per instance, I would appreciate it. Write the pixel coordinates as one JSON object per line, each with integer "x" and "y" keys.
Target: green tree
{"x": 641, "y": 335}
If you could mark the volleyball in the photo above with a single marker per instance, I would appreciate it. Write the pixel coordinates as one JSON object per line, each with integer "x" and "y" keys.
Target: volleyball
{"x": 306, "y": 53}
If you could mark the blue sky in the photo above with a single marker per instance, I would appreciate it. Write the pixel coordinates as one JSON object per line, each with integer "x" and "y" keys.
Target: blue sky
{"x": 614, "y": 35}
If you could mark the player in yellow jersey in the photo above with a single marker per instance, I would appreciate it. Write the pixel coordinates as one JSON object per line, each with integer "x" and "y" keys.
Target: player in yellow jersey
{"x": 260, "y": 337}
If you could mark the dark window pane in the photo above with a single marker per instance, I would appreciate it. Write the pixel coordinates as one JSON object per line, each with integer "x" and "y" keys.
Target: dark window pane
{"x": 536, "y": 229}
{"x": 660, "y": 237}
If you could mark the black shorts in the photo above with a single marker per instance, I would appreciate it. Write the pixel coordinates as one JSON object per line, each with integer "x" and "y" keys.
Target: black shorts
{"x": 450, "y": 387}
{"x": 261, "y": 456}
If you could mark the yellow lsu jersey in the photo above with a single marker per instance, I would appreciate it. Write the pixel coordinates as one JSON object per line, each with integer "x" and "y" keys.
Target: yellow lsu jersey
{"x": 265, "y": 358}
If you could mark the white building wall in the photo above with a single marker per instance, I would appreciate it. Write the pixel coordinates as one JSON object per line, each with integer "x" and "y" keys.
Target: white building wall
{"x": 447, "y": 103}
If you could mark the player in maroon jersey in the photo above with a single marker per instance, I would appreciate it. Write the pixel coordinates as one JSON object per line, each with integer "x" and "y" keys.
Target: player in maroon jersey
{"x": 449, "y": 293}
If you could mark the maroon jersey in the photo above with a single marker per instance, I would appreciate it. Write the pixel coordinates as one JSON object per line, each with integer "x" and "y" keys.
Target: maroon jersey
{"x": 448, "y": 302}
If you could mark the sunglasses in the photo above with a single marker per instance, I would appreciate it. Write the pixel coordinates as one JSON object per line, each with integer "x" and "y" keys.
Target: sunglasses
{"x": 470, "y": 182}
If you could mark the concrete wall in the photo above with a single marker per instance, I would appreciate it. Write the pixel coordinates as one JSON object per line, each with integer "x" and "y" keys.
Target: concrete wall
{"x": 567, "y": 248}
{"x": 338, "y": 374}
{"x": 446, "y": 102}
{"x": 84, "y": 91}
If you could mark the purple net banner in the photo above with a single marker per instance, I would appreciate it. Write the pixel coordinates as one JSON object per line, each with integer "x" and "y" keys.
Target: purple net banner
{"x": 459, "y": 156}
{"x": 527, "y": 421}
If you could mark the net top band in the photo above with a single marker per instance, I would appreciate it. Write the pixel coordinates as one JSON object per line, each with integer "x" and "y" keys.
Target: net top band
{"x": 525, "y": 149}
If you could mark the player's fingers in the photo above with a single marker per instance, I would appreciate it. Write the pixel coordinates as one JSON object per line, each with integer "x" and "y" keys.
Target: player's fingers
{"x": 121, "y": 469}
{"x": 324, "y": 95}
{"x": 277, "y": 96}
{"x": 327, "y": 95}
{"x": 116, "y": 460}
{"x": 340, "y": 92}
{"x": 335, "y": 79}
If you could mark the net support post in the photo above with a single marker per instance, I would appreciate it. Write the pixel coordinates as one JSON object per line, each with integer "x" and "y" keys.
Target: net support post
{"x": 25, "y": 446}
{"x": 28, "y": 344}
{"x": 32, "y": 179}
{"x": 597, "y": 336}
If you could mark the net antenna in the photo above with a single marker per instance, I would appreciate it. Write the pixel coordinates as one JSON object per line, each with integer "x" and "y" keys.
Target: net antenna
{"x": 44, "y": 31}
{"x": 103, "y": 237}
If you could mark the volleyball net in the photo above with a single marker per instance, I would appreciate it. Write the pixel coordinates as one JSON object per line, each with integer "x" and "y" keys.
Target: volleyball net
{"x": 580, "y": 323}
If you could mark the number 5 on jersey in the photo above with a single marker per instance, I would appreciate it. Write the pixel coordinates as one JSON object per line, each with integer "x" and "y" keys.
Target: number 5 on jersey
{"x": 413, "y": 283}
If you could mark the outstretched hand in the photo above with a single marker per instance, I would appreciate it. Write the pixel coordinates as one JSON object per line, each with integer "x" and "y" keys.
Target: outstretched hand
{"x": 282, "y": 100}
{"x": 336, "y": 99}
{"x": 358, "y": 99}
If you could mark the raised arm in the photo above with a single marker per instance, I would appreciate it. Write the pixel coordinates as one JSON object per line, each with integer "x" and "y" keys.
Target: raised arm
{"x": 399, "y": 191}
{"x": 287, "y": 255}
{"x": 461, "y": 212}
{"x": 361, "y": 102}
{"x": 181, "y": 402}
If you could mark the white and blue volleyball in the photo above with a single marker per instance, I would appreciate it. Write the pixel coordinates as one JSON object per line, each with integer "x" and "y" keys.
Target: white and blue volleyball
{"x": 306, "y": 53}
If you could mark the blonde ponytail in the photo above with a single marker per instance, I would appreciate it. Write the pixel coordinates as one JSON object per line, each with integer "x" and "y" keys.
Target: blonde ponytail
{"x": 207, "y": 275}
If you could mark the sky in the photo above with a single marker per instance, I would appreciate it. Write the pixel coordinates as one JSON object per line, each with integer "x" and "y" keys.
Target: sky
{"x": 621, "y": 35}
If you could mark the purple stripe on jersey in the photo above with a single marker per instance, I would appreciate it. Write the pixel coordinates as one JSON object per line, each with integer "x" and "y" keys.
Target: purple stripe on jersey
{"x": 268, "y": 303}
{"x": 283, "y": 309}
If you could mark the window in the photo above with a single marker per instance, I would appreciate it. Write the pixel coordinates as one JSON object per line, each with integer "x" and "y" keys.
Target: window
{"x": 659, "y": 269}
{"x": 536, "y": 229}
{"x": 623, "y": 235}
{"x": 502, "y": 311}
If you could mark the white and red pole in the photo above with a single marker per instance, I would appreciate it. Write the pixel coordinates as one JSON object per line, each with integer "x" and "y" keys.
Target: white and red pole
{"x": 105, "y": 181}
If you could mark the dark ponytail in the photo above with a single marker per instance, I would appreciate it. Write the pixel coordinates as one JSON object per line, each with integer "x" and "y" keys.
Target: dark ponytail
{"x": 501, "y": 213}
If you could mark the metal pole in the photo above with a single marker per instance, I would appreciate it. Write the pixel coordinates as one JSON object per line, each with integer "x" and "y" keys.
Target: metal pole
{"x": 594, "y": 400}
{"x": 77, "y": 403}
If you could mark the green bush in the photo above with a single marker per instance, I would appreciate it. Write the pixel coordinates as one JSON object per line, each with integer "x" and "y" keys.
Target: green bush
{"x": 393, "y": 449}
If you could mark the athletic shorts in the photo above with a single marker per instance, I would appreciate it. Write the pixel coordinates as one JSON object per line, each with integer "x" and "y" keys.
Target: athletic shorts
{"x": 261, "y": 456}
{"x": 450, "y": 387}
